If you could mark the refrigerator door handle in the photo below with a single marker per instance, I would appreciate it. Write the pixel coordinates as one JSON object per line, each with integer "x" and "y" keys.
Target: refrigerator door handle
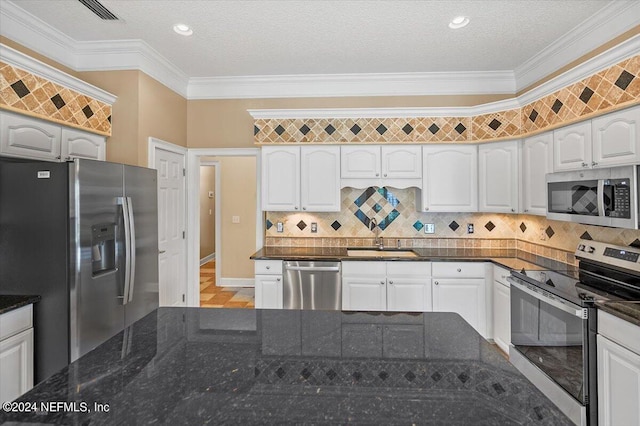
{"x": 124, "y": 202}
{"x": 132, "y": 246}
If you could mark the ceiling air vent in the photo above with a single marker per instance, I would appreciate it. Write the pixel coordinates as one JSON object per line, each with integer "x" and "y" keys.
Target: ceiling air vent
{"x": 96, "y": 7}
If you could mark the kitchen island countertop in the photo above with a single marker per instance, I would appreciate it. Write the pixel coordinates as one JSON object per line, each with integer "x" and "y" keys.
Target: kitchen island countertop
{"x": 9, "y": 302}
{"x": 235, "y": 366}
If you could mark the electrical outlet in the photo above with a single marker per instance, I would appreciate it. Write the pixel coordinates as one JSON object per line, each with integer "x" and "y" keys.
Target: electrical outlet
{"x": 314, "y": 227}
{"x": 279, "y": 227}
{"x": 429, "y": 228}
{"x": 469, "y": 228}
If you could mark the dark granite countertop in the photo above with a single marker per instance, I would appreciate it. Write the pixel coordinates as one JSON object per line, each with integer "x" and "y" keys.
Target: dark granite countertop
{"x": 9, "y": 302}
{"x": 628, "y": 311}
{"x": 241, "y": 366}
{"x": 508, "y": 258}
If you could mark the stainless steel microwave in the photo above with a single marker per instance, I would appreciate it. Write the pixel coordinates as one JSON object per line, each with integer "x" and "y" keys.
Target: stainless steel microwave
{"x": 606, "y": 197}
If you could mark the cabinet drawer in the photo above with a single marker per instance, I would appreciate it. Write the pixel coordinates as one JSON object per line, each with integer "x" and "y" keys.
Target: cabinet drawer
{"x": 501, "y": 274}
{"x": 364, "y": 269}
{"x": 15, "y": 321}
{"x": 458, "y": 269}
{"x": 268, "y": 267}
{"x": 409, "y": 269}
{"x": 619, "y": 330}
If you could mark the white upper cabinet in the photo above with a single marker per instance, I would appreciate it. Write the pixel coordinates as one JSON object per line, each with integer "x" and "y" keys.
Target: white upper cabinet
{"x": 281, "y": 178}
{"x": 402, "y": 162}
{"x": 298, "y": 178}
{"x": 28, "y": 137}
{"x": 616, "y": 138}
{"x": 399, "y": 166}
{"x": 360, "y": 162}
{"x": 537, "y": 161}
{"x": 572, "y": 147}
{"x": 450, "y": 178}
{"x": 77, "y": 144}
{"x": 320, "y": 178}
{"x": 498, "y": 177}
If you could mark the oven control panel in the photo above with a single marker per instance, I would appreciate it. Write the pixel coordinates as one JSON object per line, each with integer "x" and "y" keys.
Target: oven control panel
{"x": 621, "y": 254}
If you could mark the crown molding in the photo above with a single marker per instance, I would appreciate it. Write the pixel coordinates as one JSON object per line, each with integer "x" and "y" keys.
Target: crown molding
{"x": 366, "y": 84}
{"x": 27, "y": 63}
{"x": 611, "y": 21}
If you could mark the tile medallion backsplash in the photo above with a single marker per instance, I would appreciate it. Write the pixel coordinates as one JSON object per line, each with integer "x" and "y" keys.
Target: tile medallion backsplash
{"x": 23, "y": 92}
{"x": 610, "y": 89}
{"x": 395, "y": 212}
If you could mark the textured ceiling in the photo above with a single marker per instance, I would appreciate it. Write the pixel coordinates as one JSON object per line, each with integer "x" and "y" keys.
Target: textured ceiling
{"x": 240, "y": 38}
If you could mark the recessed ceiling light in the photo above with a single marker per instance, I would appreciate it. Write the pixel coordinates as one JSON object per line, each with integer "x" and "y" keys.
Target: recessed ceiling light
{"x": 183, "y": 29}
{"x": 458, "y": 22}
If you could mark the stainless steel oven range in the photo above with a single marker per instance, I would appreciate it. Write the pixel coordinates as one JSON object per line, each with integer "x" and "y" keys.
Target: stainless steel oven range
{"x": 554, "y": 323}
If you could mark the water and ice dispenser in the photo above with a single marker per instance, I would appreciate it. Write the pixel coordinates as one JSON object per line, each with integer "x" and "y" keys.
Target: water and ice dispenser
{"x": 103, "y": 248}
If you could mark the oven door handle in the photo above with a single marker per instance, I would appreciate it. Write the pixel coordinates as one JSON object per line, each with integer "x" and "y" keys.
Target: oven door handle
{"x": 570, "y": 309}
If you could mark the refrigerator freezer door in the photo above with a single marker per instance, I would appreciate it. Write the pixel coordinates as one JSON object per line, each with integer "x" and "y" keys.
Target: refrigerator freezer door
{"x": 97, "y": 310}
{"x": 141, "y": 190}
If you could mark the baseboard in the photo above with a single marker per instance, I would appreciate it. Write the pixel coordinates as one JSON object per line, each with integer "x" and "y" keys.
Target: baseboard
{"x": 236, "y": 282}
{"x": 208, "y": 258}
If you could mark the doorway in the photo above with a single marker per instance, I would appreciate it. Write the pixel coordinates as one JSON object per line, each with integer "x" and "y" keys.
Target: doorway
{"x": 226, "y": 281}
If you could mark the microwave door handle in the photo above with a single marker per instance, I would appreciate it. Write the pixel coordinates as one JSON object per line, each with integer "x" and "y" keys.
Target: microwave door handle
{"x": 601, "y": 198}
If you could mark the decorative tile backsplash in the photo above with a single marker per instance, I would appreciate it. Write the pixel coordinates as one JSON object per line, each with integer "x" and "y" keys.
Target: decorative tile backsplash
{"x": 24, "y": 92}
{"x": 612, "y": 88}
{"x": 395, "y": 211}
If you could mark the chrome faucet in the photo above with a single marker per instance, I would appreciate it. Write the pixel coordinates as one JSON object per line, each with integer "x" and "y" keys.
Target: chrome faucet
{"x": 373, "y": 226}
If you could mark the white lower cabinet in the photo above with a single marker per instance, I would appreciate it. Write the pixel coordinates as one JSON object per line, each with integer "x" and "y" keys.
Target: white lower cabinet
{"x": 268, "y": 284}
{"x": 460, "y": 288}
{"x": 16, "y": 353}
{"x": 386, "y": 286}
{"x": 501, "y": 308}
{"x": 618, "y": 371}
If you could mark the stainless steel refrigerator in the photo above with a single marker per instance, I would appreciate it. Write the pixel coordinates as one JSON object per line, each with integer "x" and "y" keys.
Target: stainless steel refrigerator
{"x": 84, "y": 236}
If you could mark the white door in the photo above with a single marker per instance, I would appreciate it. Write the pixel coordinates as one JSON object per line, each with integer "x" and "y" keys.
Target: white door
{"x": 498, "y": 177}
{"x": 364, "y": 294}
{"x": 77, "y": 144}
{"x": 171, "y": 227}
{"x": 361, "y": 161}
{"x": 537, "y": 161}
{"x": 572, "y": 147}
{"x": 16, "y": 365}
{"x": 616, "y": 138}
{"x": 450, "y": 178}
{"x": 408, "y": 294}
{"x": 280, "y": 178}
{"x": 402, "y": 162}
{"x": 618, "y": 384}
{"x": 463, "y": 296}
{"x": 320, "y": 178}
{"x": 268, "y": 292}
{"x": 28, "y": 137}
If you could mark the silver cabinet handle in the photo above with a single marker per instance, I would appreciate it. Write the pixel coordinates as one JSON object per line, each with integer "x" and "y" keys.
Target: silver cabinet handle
{"x": 304, "y": 208}
{"x": 436, "y": 283}
{"x": 594, "y": 163}
{"x": 526, "y": 210}
{"x": 162, "y": 252}
{"x": 513, "y": 210}
{"x": 585, "y": 165}
{"x": 426, "y": 208}
{"x": 391, "y": 282}
{"x": 296, "y": 207}
{"x": 277, "y": 279}
{"x": 377, "y": 174}
{"x": 267, "y": 267}
{"x": 382, "y": 282}
{"x": 385, "y": 175}
{"x": 459, "y": 270}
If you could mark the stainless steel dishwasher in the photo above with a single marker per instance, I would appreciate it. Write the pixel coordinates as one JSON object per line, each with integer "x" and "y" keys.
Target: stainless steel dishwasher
{"x": 312, "y": 285}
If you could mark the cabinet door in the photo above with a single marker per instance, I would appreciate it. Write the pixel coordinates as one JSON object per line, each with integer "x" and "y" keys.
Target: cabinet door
{"x": 77, "y": 144}
{"x": 502, "y": 316}
{"x": 450, "y": 178}
{"x": 463, "y": 296}
{"x": 401, "y": 161}
{"x": 320, "y": 178}
{"x": 269, "y": 292}
{"x": 27, "y": 137}
{"x": 281, "y": 178}
{"x": 572, "y": 147}
{"x": 498, "y": 177}
{"x": 537, "y": 161}
{"x": 16, "y": 365}
{"x": 409, "y": 294}
{"x": 359, "y": 162}
{"x": 616, "y": 138}
{"x": 618, "y": 384}
{"x": 364, "y": 294}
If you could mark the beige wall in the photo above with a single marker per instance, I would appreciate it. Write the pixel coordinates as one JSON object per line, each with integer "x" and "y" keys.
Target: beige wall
{"x": 207, "y": 220}
{"x": 238, "y": 198}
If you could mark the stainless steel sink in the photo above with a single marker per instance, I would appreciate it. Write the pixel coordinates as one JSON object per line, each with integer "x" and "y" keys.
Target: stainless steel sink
{"x": 380, "y": 253}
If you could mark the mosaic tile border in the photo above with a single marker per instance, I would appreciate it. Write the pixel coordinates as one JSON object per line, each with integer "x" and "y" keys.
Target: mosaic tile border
{"x": 30, "y": 94}
{"x": 611, "y": 89}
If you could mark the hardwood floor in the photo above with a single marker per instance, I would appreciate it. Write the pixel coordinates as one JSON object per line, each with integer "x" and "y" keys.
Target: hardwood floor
{"x": 212, "y": 296}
